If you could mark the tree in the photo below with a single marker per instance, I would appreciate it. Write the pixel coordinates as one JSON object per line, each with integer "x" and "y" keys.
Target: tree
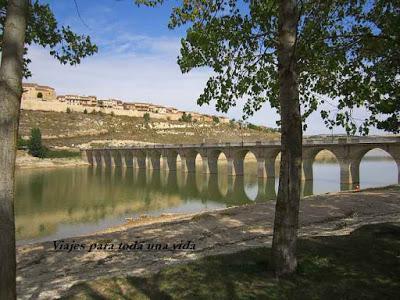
{"x": 35, "y": 145}
{"x": 297, "y": 55}
{"x": 40, "y": 95}
{"x": 68, "y": 110}
{"x": 146, "y": 117}
{"x": 215, "y": 119}
{"x": 85, "y": 111}
{"x": 11, "y": 71}
{"x": 23, "y": 22}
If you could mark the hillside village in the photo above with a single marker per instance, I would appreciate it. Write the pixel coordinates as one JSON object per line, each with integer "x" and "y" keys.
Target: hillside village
{"x": 45, "y": 98}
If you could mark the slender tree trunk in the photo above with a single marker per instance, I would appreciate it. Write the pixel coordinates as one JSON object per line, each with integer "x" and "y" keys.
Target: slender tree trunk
{"x": 10, "y": 96}
{"x": 287, "y": 205}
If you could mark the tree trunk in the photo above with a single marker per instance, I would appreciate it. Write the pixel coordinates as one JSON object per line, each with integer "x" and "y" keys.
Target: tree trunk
{"x": 287, "y": 205}
{"x": 11, "y": 71}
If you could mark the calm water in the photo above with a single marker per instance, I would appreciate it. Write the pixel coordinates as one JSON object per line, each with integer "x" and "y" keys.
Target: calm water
{"x": 60, "y": 203}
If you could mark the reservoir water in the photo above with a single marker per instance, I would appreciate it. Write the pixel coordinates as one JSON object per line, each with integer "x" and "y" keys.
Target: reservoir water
{"x": 60, "y": 203}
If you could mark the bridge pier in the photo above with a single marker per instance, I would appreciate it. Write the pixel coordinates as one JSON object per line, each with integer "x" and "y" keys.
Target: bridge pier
{"x": 235, "y": 166}
{"x": 171, "y": 157}
{"x": 122, "y": 157}
{"x": 188, "y": 162}
{"x": 103, "y": 159}
{"x": 113, "y": 162}
{"x": 346, "y": 174}
{"x": 210, "y": 164}
{"x": 140, "y": 162}
{"x": 261, "y": 168}
{"x": 155, "y": 160}
{"x": 307, "y": 169}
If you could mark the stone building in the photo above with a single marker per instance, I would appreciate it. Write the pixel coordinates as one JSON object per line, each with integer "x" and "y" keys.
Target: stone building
{"x": 33, "y": 91}
{"x": 90, "y": 101}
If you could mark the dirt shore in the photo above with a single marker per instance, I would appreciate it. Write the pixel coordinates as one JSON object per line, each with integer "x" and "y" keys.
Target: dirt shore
{"x": 46, "y": 273}
{"x": 26, "y": 161}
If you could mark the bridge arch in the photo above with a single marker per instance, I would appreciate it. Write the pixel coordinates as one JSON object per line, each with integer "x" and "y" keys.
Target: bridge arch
{"x": 374, "y": 159}
{"x": 323, "y": 172}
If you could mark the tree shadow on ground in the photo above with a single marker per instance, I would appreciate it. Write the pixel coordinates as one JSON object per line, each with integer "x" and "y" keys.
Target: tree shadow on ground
{"x": 362, "y": 265}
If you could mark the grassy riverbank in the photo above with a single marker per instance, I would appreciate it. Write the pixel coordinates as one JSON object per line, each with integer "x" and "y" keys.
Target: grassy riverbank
{"x": 362, "y": 265}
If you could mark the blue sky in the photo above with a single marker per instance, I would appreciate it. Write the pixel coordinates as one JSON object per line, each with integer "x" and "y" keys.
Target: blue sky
{"x": 136, "y": 60}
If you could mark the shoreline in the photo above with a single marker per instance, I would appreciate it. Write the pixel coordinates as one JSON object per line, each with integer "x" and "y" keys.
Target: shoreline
{"x": 44, "y": 273}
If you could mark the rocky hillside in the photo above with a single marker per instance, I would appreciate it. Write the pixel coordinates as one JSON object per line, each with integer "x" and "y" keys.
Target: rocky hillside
{"x": 77, "y": 129}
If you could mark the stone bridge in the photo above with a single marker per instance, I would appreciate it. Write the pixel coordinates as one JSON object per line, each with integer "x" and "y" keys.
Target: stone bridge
{"x": 348, "y": 152}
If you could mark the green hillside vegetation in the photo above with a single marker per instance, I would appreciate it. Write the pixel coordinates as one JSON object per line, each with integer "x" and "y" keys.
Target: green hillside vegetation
{"x": 73, "y": 129}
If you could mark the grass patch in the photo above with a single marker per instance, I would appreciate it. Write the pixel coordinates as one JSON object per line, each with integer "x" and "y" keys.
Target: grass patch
{"x": 62, "y": 154}
{"x": 363, "y": 265}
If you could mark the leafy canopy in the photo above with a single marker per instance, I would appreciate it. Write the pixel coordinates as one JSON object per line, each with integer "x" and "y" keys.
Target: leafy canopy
{"x": 42, "y": 29}
{"x": 347, "y": 56}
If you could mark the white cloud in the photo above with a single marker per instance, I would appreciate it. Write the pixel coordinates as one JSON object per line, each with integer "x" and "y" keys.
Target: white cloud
{"x": 154, "y": 77}
{"x": 132, "y": 74}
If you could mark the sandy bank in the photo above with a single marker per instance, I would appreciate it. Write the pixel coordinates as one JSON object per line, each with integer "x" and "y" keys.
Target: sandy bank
{"x": 26, "y": 161}
{"x": 44, "y": 273}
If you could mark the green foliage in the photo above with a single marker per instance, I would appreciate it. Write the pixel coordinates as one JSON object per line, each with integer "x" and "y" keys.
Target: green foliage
{"x": 21, "y": 143}
{"x": 68, "y": 110}
{"x": 43, "y": 30}
{"x": 40, "y": 95}
{"x": 112, "y": 114}
{"x": 186, "y": 118}
{"x": 85, "y": 111}
{"x": 215, "y": 119}
{"x": 146, "y": 117}
{"x": 35, "y": 147}
{"x": 347, "y": 54}
{"x": 61, "y": 154}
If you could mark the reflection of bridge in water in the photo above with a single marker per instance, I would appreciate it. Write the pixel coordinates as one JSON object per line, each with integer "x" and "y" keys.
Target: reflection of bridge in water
{"x": 348, "y": 152}
{"x": 196, "y": 186}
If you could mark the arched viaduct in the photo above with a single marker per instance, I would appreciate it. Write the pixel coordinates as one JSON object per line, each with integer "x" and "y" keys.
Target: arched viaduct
{"x": 348, "y": 152}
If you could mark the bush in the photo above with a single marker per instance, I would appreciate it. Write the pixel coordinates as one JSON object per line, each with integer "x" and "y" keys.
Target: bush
{"x": 94, "y": 112}
{"x": 186, "y": 118}
{"x": 61, "y": 153}
{"x": 35, "y": 147}
{"x": 21, "y": 143}
{"x": 68, "y": 110}
{"x": 112, "y": 114}
{"x": 146, "y": 117}
{"x": 85, "y": 111}
{"x": 215, "y": 119}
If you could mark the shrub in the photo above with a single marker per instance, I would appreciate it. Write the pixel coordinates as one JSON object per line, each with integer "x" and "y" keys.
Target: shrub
{"x": 35, "y": 146}
{"x": 146, "y": 117}
{"x": 112, "y": 114}
{"x": 185, "y": 117}
{"x": 215, "y": 119}
{"x": 68, "y": 110}
{"x": 61, "y": 153}
{"x": 21, "y": 143}
{"x": 85, "y": 111}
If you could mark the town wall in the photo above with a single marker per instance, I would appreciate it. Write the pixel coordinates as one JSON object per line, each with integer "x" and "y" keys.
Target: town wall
{"x": 62, "y": 107}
